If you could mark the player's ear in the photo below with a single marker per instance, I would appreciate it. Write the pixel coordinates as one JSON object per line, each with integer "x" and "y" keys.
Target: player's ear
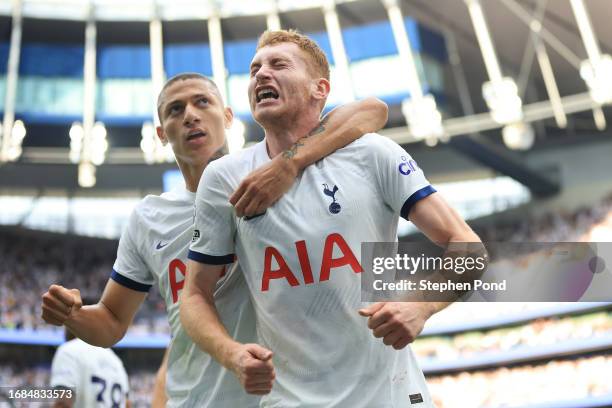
{"x": 161, "y": 135}
{"x": 228, "y": 117}
{"x": 320, "y": 88}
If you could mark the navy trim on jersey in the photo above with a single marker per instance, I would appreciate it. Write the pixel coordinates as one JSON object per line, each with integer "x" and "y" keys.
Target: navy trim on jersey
{"x": 128, "y": 283}
{"x": 211, "y": 259}
{"x": 414, "y": 198}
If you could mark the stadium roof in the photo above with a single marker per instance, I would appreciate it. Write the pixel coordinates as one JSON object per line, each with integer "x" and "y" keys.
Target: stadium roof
{"x": 510, "y": 34}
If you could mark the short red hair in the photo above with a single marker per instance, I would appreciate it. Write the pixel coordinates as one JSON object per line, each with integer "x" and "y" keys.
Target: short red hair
{"x": 317, "y": 61}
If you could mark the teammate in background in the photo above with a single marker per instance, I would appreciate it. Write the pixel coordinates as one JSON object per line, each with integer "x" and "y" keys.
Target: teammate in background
{"x": 301, "y": 258}
{"x": 153, "y": 248}
{"x": 90, "y": 376}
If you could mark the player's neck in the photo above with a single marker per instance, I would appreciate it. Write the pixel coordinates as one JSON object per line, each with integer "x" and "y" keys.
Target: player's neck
{"x": 282, "y": 136}
{"x": 191, "y": 175}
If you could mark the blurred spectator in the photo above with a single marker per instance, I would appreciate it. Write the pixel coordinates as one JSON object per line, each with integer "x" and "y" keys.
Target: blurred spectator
{"x": 33, "y": 261}
{"x": 553, "y": 227}
{"x": 524, "y": 385}
{"x": 539, "y": 332}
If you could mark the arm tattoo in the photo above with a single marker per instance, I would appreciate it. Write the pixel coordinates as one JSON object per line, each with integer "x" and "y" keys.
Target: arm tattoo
{"x": 288, "y": 154}
{"x": 320, "y": 128}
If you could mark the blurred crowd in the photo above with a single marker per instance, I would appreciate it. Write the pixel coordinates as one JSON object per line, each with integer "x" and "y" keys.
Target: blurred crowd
{"x": 31, "y": 262}
{"x": 475, "y": 312}
{"x": 556, "y": 226}
{"x": 540, "y": 332}
{"x": 525, "y": 385}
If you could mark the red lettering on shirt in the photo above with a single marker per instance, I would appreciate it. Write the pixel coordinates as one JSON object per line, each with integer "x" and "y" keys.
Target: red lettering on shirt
{"x": 175, "y": 284}
{"x": 328, "y": 262}
{"x": 348, "y": 258}
{"x": 283, "y": 270}
{"x": 304, "y": 261}
{"x": 176, "y": 265}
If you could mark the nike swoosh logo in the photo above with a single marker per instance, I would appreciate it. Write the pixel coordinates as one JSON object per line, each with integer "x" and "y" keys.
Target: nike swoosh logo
{"x": 160, "y": 246}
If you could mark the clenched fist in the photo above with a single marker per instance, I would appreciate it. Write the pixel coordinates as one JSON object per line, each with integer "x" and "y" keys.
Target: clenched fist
{"x": 397, "y": 323}
{"x": 59, "y": 304}
{"x": 253, "y": 366}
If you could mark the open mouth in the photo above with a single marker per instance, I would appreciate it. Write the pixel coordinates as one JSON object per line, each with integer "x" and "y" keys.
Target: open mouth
{"x": 195, "y": 134}
{"x": 266, "y": 93}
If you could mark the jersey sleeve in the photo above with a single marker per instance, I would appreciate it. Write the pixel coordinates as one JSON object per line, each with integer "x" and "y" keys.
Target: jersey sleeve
{"x": 401, "y": 182}
{"x": 214, "y": 225}
{"x": 65, "y": 369}
{"x": 129, "y": 269}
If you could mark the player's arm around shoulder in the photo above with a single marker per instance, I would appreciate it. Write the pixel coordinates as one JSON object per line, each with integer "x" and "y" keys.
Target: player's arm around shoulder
{"x": 251, "y": 363}
{"x": 343, "y": 125}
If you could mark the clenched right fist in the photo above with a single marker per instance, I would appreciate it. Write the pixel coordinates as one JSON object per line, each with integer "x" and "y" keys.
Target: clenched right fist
{"x": 59, "y": 304}
{"x": 253, "y": 366}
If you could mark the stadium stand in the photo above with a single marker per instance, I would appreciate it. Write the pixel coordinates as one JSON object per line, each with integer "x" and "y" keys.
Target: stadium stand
{"x": 25, "y": 274}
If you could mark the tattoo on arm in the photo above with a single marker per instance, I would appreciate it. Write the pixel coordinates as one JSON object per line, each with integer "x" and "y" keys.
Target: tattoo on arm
{"x": 320, "y": 128}
{"x": 288, "y": 154}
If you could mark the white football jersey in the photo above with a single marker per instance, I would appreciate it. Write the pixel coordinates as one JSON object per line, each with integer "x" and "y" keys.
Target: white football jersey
{"x": 301, "y": 259}
{"x": 95, "y": 374}
{"x": 153, "y": 251}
